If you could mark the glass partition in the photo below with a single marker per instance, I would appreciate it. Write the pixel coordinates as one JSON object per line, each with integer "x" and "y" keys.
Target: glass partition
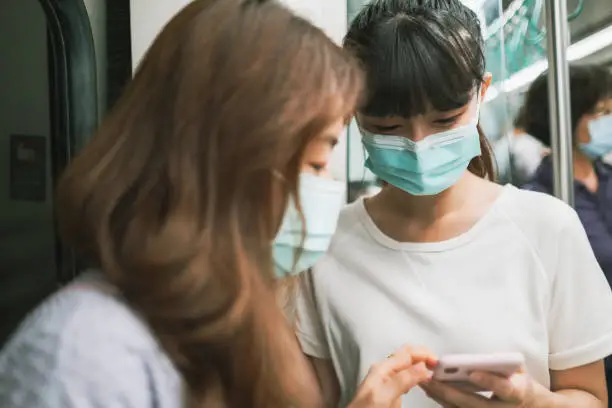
{"x": 503, "y": 31}
{"x": 516, "y": 54}
{"x": 360, "y": 180}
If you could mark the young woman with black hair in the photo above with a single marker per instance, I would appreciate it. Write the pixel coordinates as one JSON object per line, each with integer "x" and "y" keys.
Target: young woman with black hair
{"x": 443, "y": 256}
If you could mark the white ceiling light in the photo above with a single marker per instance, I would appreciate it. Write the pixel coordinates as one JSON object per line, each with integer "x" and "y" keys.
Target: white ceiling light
{"x": 577, "y": 51}
{"x": 524, "y": 76}
{"x": 590, "y": 45}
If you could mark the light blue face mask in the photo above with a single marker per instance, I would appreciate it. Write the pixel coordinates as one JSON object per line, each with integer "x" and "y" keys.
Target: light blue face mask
{"x": 600, "y": 130}
{"x": 426, "y": 167}
{"x": 321, "y": 200}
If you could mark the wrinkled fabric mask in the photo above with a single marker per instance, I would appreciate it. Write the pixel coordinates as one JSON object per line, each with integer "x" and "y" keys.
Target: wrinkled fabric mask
{"x": 426, "y": 167}
{"x": 321, "y": 200}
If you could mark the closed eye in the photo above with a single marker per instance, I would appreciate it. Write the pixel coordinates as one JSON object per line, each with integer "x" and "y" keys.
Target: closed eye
{"x": 447, "y": 121}
{"x": 317, "y": 167}
{"x": 385, "y": 129}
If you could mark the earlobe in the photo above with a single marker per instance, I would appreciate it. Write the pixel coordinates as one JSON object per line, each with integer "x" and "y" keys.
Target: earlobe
{"x": 486, "y": 83}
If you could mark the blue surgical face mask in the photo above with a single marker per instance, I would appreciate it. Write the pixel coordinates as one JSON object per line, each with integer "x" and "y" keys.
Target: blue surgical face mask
{"x": 321, "y": 200}
{"x": 600, "y": 130}
{"x": 426, "y": 167}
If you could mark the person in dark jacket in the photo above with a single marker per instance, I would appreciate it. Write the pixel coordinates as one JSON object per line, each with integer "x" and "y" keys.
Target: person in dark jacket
{"x": 591, "y": 103}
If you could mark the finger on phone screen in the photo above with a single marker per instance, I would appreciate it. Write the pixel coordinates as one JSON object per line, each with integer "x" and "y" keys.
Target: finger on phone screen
{"x": 414, "y": 354}
{"x": 403, "y": 381}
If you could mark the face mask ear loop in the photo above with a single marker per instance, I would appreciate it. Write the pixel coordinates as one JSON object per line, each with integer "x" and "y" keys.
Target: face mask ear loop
{"x": 365, "y": 157}
{"x": 477, "y": 117}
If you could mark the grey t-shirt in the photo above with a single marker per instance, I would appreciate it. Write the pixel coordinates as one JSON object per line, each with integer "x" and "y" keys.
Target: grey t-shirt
{"x": 84, "y": 348}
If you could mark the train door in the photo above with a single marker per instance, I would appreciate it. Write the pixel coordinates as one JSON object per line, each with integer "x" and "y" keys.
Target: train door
{"x": 48, "y": 108}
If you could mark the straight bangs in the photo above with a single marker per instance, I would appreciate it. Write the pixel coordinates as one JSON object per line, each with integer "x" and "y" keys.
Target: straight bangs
{"x": 415, "y": 67}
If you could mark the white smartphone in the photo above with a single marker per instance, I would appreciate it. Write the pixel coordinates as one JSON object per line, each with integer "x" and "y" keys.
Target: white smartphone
{"x": 455, "y": 369}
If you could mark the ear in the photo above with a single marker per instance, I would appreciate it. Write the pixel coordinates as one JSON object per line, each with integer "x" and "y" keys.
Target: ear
{"x": 486, "y": 83}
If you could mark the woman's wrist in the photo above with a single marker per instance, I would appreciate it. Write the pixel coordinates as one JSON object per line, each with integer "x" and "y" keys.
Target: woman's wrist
{"x": 545, "y": 398}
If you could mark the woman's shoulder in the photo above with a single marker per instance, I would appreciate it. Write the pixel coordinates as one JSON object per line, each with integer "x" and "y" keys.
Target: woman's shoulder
{"x": 88, "y": 309}
{"x": 538, "y": 213}
{"x": 82, "y": 340}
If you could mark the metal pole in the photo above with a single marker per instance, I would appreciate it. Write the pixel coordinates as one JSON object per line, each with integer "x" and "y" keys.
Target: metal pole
{"x": 557, "y": 29}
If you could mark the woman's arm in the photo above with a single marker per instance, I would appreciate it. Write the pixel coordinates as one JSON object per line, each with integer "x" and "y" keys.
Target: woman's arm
{"x": 328, "y": 381}
{"x": 583, "y": 387}
{"x": 579, "y": 325}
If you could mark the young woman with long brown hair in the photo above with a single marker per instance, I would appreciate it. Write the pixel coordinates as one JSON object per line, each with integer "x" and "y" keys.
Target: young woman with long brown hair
{"x": 176, "y": 202}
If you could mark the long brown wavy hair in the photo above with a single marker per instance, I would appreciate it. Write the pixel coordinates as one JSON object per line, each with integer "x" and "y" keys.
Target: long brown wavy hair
{"x": 178, "y": 196}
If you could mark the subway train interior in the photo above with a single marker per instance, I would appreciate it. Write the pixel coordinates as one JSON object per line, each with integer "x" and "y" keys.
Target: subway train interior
{"x": 65, "y": 62}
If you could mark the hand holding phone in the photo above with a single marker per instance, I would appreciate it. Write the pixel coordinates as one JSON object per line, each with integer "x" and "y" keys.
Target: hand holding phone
{"x": 455, "y": 369}
{"x": 390, "y": 379}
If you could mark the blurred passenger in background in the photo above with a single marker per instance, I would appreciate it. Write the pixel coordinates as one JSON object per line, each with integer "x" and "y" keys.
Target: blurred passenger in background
{"x": 220, "y": 138}
{"x": 591, "y": 121}
{"x": 518, "y": 155}
{"x": 591, "y": 103}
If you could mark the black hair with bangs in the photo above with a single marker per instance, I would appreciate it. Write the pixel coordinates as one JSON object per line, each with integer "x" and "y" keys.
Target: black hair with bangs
{"x": 418, "y": 55}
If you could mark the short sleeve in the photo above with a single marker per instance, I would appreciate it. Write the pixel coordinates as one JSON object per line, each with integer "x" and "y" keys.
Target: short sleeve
{"x": 580, "y": 314}
{"x": 309, "y": 326}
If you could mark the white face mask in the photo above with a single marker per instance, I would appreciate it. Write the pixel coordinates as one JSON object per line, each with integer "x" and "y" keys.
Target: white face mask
{"x": 321, "y": 200}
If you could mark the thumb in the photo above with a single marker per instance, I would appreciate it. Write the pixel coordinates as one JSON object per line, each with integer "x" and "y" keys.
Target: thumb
{"x": 405, "y": 380}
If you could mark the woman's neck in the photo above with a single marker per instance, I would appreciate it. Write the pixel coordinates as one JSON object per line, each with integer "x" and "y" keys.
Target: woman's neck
{"x": 408, "y": 218}
{"x": 583, "y": 166}
{"x": 426, "y": 208}
{"x": 584, "y": 171}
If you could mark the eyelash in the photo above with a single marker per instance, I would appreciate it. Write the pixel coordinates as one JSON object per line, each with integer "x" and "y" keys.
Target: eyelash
{"x": 447, "y": 121}
{"x": 317, "y": 166}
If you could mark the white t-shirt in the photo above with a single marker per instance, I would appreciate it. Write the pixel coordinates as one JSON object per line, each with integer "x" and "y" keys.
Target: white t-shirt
{"x": 524, "y": 278}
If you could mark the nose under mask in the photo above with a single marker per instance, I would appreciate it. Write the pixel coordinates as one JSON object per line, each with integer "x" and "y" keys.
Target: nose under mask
{"x": 298, "y": 246}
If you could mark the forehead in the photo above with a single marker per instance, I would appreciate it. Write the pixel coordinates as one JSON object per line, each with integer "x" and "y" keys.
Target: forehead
{"x": 605, "y": 103}
{"x": 331, "y": 133}
{"x": 428, "y": 111}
